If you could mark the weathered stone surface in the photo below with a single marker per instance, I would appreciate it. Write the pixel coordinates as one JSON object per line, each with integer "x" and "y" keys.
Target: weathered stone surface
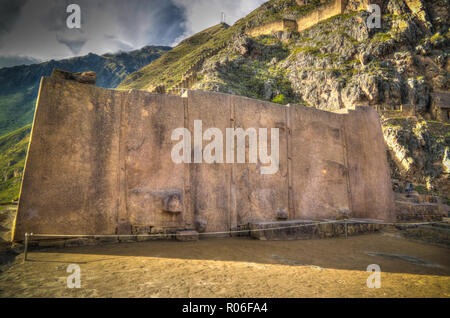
{"x": 308, "y": 229}
{"x": 200, "y": 225}
{"x": 172, "y": 203}
{"x": 410, "y": 211}
{"x": 141, "y": 229}
{"x": 127, "y": 239}
{"x": 282, "y": 214}
{"x": 80, "y": 242}
{"x": 124, "y": 228}
{"x": 106, "y": 156}
{"x": 187, "y": 236}
{"x": 52, "y": 243}
{"x": 107, "y": 239}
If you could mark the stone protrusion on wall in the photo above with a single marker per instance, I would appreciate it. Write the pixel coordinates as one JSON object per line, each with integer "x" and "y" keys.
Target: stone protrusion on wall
{"x": 89, "y": 77}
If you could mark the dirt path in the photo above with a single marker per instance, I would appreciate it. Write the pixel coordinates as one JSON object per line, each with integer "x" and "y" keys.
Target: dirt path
{"x": 236, "y": 267}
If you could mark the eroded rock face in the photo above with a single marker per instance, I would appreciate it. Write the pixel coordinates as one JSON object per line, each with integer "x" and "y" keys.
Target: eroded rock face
{"x": 200, "y": 225}
{"x": 89, "y": 77}
{"x": 418, "y": 154}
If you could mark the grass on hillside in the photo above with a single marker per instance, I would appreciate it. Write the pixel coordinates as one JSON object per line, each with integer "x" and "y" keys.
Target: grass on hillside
{"x": 17, "y": 109}
{"x": 13, "y": 150}
{"x": 171, "y": 66}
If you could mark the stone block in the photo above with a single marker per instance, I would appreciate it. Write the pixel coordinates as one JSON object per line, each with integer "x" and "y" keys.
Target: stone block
{"x": 79, "y": 242}
{"x": 124, "y": 228}
{"x": 308, "y": 229}
{"x": 107, "y": 239}
{"x": 140, "y": 229}
{"x": 187, "y": 236}
{"x": 127, "y": 239}
{"x": 146, "y": 238}
{"x": 282, "y": 214}
{"x": 52, "y": 243}
{"x": 284, "y": 230}
{"x": 409, "y": 211}
{"x": 157, "y": 230}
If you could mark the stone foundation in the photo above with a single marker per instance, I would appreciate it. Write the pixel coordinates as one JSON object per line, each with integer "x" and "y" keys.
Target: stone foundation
{"x": 308, "y": 229}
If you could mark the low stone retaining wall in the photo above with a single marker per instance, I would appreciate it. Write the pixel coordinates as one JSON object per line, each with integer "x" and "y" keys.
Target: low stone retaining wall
{"x": 437, "y": 233}
{"x": 409, "y": 211}
{"x": 308, "y": 229}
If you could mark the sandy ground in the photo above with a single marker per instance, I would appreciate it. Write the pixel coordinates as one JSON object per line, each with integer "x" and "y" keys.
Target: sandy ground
{"x": 234, "y": 267}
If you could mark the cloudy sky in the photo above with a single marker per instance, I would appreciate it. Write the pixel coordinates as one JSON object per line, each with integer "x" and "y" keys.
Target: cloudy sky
{"x": 37, "y": 28}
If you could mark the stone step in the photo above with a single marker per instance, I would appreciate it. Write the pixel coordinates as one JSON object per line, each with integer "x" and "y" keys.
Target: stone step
{"x": 187, "y": 236}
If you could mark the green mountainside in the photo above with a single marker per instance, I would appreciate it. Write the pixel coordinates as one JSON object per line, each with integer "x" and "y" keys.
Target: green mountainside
{"x": 13, "y": 150}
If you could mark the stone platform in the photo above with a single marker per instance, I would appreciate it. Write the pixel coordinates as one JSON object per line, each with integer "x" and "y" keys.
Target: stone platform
{"x": 309, "y": 229}
{"x": 417, "y": 207}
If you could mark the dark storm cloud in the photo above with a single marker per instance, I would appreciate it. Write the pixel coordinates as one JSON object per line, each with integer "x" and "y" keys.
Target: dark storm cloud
{"x": 38, "y": 27}
{"x": 9, "y": 12}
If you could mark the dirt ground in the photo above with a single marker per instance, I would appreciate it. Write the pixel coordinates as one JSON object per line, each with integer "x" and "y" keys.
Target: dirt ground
{"x": 236, "y": 267}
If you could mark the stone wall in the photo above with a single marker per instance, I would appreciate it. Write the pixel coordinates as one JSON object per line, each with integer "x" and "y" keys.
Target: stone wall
{"x": 322, "y": 13}
{"x": 282, "y": 25}
{"x": 440, "y": 106}
{"x": 99, "y": 162}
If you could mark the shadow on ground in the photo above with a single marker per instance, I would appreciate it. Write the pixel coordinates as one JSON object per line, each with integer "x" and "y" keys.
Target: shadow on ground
{"x": 393, "y": 254}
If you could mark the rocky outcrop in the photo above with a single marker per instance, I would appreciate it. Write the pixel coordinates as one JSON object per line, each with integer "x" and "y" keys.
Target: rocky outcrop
{"x": 88, "y": 77}
{"x": 419, "y": 151}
